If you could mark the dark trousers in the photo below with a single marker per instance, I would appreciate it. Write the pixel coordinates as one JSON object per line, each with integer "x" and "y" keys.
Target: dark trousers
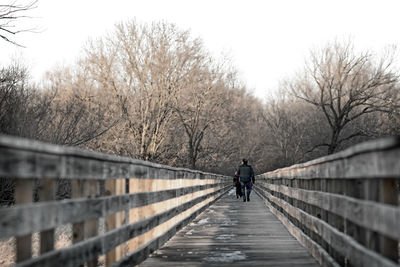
{"x": 246, "y": 185}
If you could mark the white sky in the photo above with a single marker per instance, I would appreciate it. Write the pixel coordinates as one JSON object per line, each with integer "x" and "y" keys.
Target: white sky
{"x": 267, "y": 40}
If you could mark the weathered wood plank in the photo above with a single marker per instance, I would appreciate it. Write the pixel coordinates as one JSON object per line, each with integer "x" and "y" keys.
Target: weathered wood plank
{"x": 366, "y": 213}
{"x": 78, "y": 226}
{"x": 318, "y": 252}
{"x": 44, "y": 216}
{"x": 143, "y": 252}
{"x": 24, "y": 158}
{"x": 46, "y": 193}
{"x": 371, "y": 192}
{"x": 374, "y": 159}
{"x": 389, "y": 245}
{"x": 91, "y": 226}
{"x": 114, "y": 187}
{"x": 93, "y": 247}
{"x": 345, "y": 245}
{"x": 232, "y": 233}
{"x": 133, "y": 216}
{"x": 23, "y": 194}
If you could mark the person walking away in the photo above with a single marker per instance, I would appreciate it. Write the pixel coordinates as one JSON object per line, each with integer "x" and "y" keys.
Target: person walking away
{"x": 246, "y": 178}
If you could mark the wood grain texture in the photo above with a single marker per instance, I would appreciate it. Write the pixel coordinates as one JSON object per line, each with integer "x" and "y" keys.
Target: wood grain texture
{"x": 232, "y": 233}
{"x": 23, "y": 194}
{"x": 143, "y": 252}
{"x": 114, "y": 187}
{"x": 388, "y": 244}
{"x": 374, "y": 159}
{"x": 357, "y": 254}
{"x": 46, "y": 193}
{"x": 93, "y": 247}
{"x": 379, "y": 217}
{"x": 91, "y": 226}
{"x": 343, "y": 208}
{"x": 24, "y": 158}
{"x": 42, "y": 216}
{"x": 318, "y": 252}
{"x": 78, "y": 226}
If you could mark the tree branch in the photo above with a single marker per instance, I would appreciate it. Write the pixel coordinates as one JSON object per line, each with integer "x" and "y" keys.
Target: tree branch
{"x": 11, "y": 12}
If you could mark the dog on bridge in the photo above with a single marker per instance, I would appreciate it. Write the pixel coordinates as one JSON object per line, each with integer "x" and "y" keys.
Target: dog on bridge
{"x": 237, "y": 185}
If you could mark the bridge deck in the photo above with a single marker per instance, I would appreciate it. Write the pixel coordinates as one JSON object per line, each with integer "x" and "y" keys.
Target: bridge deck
{"x": 233, "y": 233}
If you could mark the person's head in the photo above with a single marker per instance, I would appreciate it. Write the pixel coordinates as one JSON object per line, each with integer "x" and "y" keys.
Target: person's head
{"x": 244, "y": 161}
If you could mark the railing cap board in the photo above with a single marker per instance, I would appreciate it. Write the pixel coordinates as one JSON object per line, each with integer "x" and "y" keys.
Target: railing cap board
{"x": 25, "y": 158}
{"x": 374, "y": 159}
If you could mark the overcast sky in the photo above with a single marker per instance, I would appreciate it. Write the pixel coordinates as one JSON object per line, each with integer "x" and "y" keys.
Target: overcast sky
{"x": 267, "y": 40}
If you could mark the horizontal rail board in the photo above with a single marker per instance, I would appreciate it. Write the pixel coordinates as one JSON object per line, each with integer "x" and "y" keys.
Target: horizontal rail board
{"x": 323, "y": 258}
{"x": 143, "y": 252}
{"x": 378, "y": 217}
{"x": 376, "y": 159}
{"x": 23, "y": 158}
{"x": 96, "y": 246}
{"x": 25, "y": 219}
{"x": 345, "y": 245}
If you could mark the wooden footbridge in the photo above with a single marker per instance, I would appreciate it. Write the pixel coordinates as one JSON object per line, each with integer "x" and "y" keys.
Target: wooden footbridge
{"x": 339, "y": 210}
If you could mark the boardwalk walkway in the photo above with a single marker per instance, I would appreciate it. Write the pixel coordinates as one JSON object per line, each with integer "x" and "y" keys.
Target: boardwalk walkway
{"x": 233, "y": 233}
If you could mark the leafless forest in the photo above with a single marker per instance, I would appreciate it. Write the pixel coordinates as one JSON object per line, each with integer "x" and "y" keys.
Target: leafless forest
{"x": 154, "y": 92}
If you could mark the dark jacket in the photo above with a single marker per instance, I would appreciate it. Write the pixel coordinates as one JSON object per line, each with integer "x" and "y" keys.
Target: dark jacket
{"x": 246, "y": 173}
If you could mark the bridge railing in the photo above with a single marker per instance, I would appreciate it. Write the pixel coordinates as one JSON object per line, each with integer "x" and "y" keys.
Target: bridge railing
{"x": 344, "y": 207}
{"x": 120, "y": 209}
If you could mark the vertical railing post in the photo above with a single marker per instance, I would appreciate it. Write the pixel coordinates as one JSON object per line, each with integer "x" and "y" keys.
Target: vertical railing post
{"x": 388, "y": 247}
{"x": 295, "y": 201}
{"x": 91, "y": 226}
{"x": 114, "y": 187}
{"x": 132, "y": 244}
{"x": 371, "y": 192}
{"x": 78, "y": 229}
{"x": 23, "y": 195}
{"x": 46, "y": 193}
{"x": 330, "y": 218}
{"x": 349, "y": 227}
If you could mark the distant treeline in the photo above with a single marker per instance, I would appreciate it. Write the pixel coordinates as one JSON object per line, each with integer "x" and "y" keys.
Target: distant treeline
{"x": 153, "y": 92}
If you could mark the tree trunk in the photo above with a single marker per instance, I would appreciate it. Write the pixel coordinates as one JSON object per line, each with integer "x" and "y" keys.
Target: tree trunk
{"x": 192, "y": 156}
{"x": 334, "y": 141}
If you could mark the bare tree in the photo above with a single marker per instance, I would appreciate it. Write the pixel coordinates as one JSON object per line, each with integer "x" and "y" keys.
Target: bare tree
{"x": 345, "y": 86}
{"x": 142, "y": 67}
{"x": 15, "y": 93}
{"x": 236, "y": 134}
{"x": 9, "y": 14}
{"x": 286, "y": 128}
{"x": 198, "y": 107}
{"x": 70, "y": 113}
{"x": 292, "y": 127}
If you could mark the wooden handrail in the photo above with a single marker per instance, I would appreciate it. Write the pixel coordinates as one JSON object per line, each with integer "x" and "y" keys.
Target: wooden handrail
{"x": 143, "y": 204}
{"x": 25, "y": 158}
{"x": 344, "y": 207}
